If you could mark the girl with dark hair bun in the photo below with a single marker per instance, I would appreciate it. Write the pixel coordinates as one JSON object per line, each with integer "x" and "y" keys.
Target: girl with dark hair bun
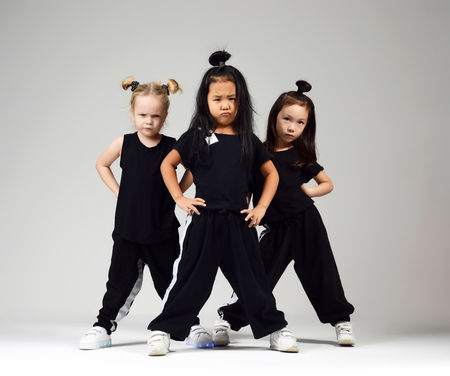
{"x": 222, "y": 153}
{"x": 293, "y": 227}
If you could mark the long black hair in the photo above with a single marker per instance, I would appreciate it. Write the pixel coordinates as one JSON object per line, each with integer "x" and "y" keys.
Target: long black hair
{"x": 305, "y": 145}
{"x": 202, "y": 122}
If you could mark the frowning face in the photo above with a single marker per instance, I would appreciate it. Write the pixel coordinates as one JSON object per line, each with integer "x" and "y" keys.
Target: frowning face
{"x": 149, "y": 115}
{"x": 222, "y": 103}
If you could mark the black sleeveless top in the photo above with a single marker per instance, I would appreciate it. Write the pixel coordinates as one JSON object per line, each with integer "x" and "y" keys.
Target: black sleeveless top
{"x": 145, "y": 211}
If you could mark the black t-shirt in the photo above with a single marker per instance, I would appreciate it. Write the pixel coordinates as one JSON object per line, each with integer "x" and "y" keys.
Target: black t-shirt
{"x": 220, "y": 176}
{"x": 145, "y": 211}
{"x": 289, "y": 198}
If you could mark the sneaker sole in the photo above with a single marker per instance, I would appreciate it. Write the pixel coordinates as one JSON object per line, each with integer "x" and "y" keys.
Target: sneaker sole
{"x": 291, "y": 349}
{"x": 157, "y": 351}
{"x": 346, "y": 342}
{"x": 200, "y": 345}
{"x": 96, "y": 346}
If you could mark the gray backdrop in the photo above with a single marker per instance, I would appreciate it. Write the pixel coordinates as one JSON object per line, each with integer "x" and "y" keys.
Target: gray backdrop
{"x": 380, "y": 77}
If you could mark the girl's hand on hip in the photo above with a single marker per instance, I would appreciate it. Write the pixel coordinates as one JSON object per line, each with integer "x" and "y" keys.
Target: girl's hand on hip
{"x": 254, "y": 216}
{"x": 189, "y": 204}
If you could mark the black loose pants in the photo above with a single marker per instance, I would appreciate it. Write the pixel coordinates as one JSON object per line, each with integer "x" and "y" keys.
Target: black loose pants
{"x": 302, "y": 238}
{"x": 126, "y": 274}
{"x": 216, "y": 239}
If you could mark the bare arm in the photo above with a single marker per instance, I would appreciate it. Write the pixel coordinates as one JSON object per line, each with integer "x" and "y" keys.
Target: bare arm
{"x": 323, "y": 187}
{"x": 269, "y": 171}
{"x": 186, "y": 181}
{"x": 249, "y": 197}
{"x": 105, "y": 161}
{"x": 169, "y": 175}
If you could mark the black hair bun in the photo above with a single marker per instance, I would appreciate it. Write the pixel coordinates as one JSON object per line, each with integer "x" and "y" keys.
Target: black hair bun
{"x": 303, "y": 87}
{"x": 219, "y": 58}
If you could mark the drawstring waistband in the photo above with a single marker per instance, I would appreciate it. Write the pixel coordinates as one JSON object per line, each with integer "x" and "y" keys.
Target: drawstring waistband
{"x": 227, "y": 213}
{"x": 286, "y": 221}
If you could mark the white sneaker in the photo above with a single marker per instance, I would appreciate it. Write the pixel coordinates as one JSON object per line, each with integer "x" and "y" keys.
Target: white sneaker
{"x": 96, "y": 338}
{"x": 199, "y": 337}
{"x": 344, "y": 334}
{"x": 158, "y": 343}
{"x": 221, "y": 333}
{"x": 283, "y": 340}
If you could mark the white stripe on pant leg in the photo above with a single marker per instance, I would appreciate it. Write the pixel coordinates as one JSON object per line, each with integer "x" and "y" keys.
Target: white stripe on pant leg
{"x": 175, "y": 264}
{"x": 137, "y": 287}
{"x": 234, "y": 298}
{"x": 264, "y": 232}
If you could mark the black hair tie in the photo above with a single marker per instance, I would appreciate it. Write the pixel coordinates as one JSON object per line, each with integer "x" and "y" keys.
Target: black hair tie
{"x": 134, "y": 85}
{"x": 164, "y": 86}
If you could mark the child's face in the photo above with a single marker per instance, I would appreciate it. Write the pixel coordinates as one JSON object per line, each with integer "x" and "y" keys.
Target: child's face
{"x": 222, "y": 102}
{"x": 148, "y": 114}
{"x": 291, "y": 122}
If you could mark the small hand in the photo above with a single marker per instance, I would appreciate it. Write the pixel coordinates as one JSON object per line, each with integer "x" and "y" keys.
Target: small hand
{"x": 255, "y": 215}
{"x": 189, "y": 204}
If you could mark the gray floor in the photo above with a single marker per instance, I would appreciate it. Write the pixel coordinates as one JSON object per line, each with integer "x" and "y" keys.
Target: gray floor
{"x": 26, "y": 348}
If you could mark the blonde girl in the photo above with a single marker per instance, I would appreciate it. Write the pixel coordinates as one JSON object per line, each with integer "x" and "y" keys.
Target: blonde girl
{"x": 146, "y": 228}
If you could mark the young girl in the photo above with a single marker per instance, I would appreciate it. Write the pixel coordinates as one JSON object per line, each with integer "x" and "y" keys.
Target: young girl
{"x": 293, "y": 227}
{"x": 146, "y": 229}
{"x": 221, "y": 152}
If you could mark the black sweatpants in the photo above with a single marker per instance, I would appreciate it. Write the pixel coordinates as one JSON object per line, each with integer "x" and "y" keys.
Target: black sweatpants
{"x": 302, "y": 238}
{"x": 126, "y": 275}
{"x": 216, "y": 239}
